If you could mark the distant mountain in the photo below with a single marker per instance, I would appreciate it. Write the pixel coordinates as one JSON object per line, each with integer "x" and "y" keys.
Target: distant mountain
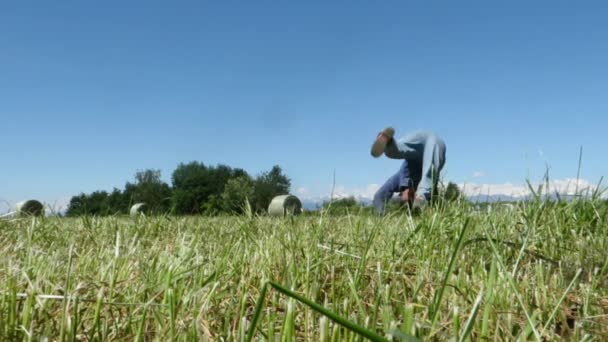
{"x": 311, "y": 204}
{"x": 493, "y": 198}
{"x": 507, "y": 198}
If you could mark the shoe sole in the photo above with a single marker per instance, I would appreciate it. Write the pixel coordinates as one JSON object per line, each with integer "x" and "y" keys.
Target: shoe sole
{"x": 379, "y": 145}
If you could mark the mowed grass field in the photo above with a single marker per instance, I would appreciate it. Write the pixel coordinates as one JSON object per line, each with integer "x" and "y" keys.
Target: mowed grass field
{"x": 536, "y": 270}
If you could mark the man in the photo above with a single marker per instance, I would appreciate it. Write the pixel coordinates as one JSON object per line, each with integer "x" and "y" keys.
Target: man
{"x": 423, "y": 156}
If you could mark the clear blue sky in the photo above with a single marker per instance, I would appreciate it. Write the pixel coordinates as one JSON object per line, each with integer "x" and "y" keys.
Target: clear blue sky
{"x": 92, "y": 92}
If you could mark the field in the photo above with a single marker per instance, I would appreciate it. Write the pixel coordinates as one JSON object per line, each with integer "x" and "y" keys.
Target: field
{"x": 535, "y": 271}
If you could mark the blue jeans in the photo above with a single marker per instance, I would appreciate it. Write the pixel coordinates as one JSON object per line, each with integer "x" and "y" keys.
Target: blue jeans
{"x": 420, "y": 161}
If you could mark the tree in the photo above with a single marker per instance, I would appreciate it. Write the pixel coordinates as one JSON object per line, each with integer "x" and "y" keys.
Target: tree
{"x": 77, "y": 205}
{"x": 198, "y": 188}
{"x": 189, "y": 191}
{"x": 237, "y": 191}
{"x": 212, "y": 206}
{"x": 268, "y": 185}
{"x": 118, "y": 203}
{"x": 94, "y": 204}
{"x": 150, "y": 189}
{"x": 452, "y": 192}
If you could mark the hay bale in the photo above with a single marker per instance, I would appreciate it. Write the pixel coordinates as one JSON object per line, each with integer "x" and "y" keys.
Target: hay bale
{"x": 138, "y": 208}
{"x": 285, "y": 205}
{"x": 29, "y": 208}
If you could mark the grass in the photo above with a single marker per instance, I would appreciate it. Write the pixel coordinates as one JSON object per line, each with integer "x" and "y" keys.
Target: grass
{"x": 534, "y": 271}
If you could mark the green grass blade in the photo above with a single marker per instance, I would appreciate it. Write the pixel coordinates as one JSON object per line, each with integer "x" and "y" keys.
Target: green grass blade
{"x": 559, "y": 303}
{"x": 513, "y": 286}
{"x": 439, "y": 294}
{"x": 142, "y": 325}
{"x": 490, "y": 285}
{"x": 468, "y": 327}
{"x": 333, "y": 316}
{"x": 257, "y": 313}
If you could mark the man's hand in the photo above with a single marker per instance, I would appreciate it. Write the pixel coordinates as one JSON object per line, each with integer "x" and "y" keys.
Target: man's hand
{"x": 408, "y": 195}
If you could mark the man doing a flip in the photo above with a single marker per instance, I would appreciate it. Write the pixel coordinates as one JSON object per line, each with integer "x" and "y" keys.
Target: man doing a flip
{"x": 423, "y": 156}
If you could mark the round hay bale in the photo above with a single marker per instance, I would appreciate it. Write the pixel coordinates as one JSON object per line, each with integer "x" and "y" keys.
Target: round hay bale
{"x": 138, "y": 208}
{"x": 285, "y": 205}
{"x": 29, "y": 208}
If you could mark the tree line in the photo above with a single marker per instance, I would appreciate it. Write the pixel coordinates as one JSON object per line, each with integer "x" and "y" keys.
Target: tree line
{"x": 195, "y": 189}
